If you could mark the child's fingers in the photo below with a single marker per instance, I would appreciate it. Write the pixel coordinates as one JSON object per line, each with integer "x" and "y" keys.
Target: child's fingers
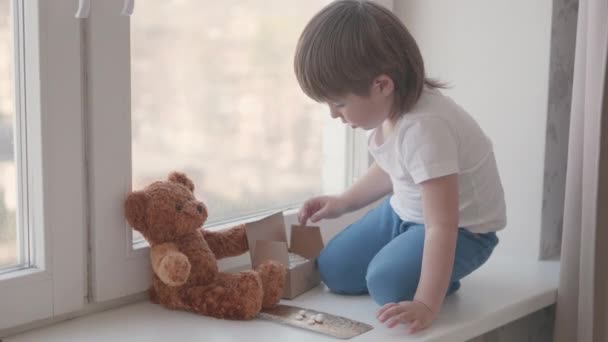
{"x": 318, "y": 215}
{"x": 384, "y": 308}
{"x": 304, "y": 213}
{"x": 417, "y": 325}
{"x": 392, "y": 322}
{"x": 302, "y": 217}
{"x": 407, "y": 317}
{"x": 403, "y": 317}
{"x": 390, "y": 312}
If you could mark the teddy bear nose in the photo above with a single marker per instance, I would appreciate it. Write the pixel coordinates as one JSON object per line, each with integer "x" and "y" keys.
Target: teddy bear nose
{"x": 199, "y": 208}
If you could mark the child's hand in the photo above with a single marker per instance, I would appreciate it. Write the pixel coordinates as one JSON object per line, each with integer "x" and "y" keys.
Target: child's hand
{"x": 415, "y": 313}
{"x": 322, "y": 207}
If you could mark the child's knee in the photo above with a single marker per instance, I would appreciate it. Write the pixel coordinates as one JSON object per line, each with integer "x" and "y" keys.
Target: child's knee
{"x": 338, "y": 275}
{"x": 385, "y": 286}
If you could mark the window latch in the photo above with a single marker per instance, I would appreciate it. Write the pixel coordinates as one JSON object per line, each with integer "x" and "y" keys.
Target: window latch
{"x": 128, "y": 7}
{"x": 84, "y": 8}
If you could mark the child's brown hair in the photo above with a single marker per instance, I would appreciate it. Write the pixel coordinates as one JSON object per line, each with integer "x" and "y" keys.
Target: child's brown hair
{"x": 348, "y": 44}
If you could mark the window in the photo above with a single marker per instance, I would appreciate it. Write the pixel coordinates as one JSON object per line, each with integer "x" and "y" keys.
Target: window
{"x": 42, "y": 215}
{"x": 206, "y": 88}
{"x": 90, "y": 109}
{"x": 12, "y": 242}
{"x": 214, "y": 95}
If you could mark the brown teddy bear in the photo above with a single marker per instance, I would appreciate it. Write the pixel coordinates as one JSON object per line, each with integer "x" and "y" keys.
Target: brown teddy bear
{"x": 184, "y": 256}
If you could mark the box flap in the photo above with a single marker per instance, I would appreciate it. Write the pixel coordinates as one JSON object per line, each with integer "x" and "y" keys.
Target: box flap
{"x": 306, "y": 241}
{"x": 271, "y": 228}
{"x": 270, "y": 250}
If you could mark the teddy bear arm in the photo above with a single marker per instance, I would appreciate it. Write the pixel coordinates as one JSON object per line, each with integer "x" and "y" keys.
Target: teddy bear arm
{"x": 227, "y": 243}
{"x": 169, "y": 264}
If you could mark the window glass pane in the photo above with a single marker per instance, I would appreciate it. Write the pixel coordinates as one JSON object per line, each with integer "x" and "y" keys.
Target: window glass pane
{"x": 10, "y": 247}
{"x": 214, "y": 95}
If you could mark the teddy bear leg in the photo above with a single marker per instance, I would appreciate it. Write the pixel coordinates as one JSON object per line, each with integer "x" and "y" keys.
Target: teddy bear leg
{"x": 152, "y": 295}
{"x": 232, "y": 296}
{"x": 168, "y": 296}
{"x": 273, "y": 275}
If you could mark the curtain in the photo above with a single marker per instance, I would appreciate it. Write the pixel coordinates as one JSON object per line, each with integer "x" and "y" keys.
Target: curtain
{"x": 582, "y": 301}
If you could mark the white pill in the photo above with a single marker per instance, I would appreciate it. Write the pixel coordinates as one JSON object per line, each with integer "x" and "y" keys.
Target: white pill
{"x": 319, "y": 318}
{"x": 311, "y": 322}
{"x": 302, "y": 313}
{"x": 299, "y": 317}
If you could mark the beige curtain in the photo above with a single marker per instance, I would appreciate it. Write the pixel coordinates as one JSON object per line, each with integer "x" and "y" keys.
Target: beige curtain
{"x": 582, "y": 302}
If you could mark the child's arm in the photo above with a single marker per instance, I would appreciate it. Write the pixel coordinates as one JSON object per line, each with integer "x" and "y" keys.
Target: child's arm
{"x": 440, "y": 206}
{"x": 373, "y": 185}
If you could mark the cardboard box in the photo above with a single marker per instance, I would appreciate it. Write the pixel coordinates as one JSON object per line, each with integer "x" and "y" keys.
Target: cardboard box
{"x": 268, "y": 240}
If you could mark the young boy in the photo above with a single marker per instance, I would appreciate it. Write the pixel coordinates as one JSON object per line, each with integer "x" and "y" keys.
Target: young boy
{"x": 447, "y": 199}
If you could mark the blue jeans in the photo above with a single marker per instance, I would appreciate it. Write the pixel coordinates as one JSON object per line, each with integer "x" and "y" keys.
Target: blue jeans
{"x": 382, "y": 255}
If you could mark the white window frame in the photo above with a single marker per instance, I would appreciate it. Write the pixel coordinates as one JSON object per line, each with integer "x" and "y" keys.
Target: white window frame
{"x": 51, "y": 167}
{"x": 117, "y": 268}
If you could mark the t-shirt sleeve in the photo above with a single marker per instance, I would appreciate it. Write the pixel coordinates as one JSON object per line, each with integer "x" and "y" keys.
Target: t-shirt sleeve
{"x": 430, "y": 149}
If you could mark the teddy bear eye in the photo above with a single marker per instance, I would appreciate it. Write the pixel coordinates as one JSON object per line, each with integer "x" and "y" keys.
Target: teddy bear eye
{"x": 178, "y": 207}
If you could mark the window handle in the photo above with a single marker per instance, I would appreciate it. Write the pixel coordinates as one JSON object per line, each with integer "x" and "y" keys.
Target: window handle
{"x": 127, "y": 9}
{"x": 84, "y": 8}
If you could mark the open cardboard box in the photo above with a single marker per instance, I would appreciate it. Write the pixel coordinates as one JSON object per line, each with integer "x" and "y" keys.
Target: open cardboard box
{"x": 268, "y": 240}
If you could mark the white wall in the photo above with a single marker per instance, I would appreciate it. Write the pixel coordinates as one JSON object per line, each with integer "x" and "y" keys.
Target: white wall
{"x": 495, "y": 54}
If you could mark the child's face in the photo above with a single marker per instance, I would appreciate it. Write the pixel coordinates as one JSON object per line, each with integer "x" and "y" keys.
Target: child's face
{"x": 366, "y": 112}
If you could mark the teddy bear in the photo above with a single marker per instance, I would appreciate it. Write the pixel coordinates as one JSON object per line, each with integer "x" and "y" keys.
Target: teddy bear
{"x": 184, "y": 255}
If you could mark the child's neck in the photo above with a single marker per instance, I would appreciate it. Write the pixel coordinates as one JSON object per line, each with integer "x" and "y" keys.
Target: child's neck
{"x": 385, "y": 130}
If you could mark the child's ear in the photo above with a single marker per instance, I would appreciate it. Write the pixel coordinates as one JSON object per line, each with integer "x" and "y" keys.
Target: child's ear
{"x": 385, "y": 84}
{"x": 135, "y": 210}
{"x": 181, "y": 178}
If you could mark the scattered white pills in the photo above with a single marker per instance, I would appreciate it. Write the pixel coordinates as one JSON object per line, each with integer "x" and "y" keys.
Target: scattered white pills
{"x": 312, "y": 319}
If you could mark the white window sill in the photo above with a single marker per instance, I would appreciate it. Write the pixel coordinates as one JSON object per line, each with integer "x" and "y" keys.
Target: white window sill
{"x": 502, "y": 291}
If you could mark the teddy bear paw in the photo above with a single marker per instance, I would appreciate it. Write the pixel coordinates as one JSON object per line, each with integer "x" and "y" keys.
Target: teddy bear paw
{"x": 174, "y": 269}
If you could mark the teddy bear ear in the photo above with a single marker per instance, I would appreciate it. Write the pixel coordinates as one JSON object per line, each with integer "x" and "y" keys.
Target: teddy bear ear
{"x": 181, "y": 178}
{"x": 135, "y": 210}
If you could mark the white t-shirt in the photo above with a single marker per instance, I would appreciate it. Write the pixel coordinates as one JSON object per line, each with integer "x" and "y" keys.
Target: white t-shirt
{"x": 438, "y": 138}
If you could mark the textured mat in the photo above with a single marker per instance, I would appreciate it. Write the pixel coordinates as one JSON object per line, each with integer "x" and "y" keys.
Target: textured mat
{"x": 336, "y": 326}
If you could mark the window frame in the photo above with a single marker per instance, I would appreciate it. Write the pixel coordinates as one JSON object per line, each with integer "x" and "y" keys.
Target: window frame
{"x": 118, "y": 269}
{"x": 50, "y": 163}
